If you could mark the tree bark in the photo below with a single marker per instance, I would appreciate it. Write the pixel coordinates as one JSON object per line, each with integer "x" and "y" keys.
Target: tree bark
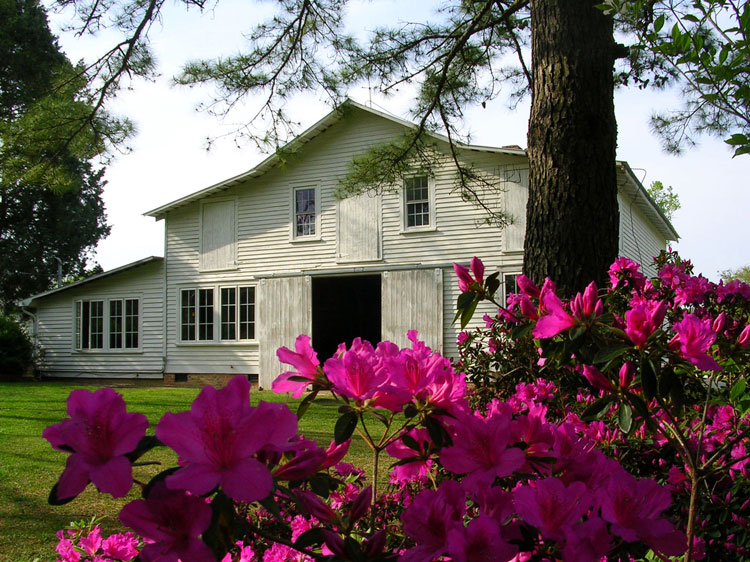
{"x": 572, "y": 221}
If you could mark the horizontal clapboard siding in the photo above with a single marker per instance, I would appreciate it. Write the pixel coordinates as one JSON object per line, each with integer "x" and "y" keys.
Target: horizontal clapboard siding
{"x": 56, "y": 327}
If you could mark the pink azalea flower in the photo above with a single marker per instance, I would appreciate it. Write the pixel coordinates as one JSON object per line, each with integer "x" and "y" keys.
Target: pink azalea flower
{"x": 357, "y": 375}
{"x": 334, "y": 453}
{"x": 588, "y": 541}
{"x": 556, "y": 320}
{"x": 587, "y": 305}
{"x": 634, "y": 509}
{"x": 465, "y": 279}
{"x": 420, "y": 467}
{"x": 92, "y": 542}
{"x": 744, "y": 338}
{"x": 217, "y": 439}
{"x": 643, "y": 319}
{"x": 480, "y": 540}
{"x": 304, "y": 464}
{"x": 693, "y": 338}
{"x": 66, "y": 549}
{"x": 527, "y": 287}
{"x": 480, "y": 447}
{"x": 624, "y": 271}
{"x": 304, "y": 360}
{"x": 552, "y": 507}
{"x": 121, "y": 546}
{"x": 98, "y": 435}
{"x": 596, "y": 378}
{"x": 430, "y": 517}
{"x": 173, "y": 521}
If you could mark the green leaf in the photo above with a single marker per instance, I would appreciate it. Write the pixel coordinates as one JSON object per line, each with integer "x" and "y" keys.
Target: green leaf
{"x": 345, "y": 427}
{"x": 492, "y": 284}
{"x": 311, "y": 537}
{"x": 220, "y": 535}
{"x": 271, "y": 507}
{"x": 410, "y": 442}
{"x": 438, "y": 434}
{"x": 648, "y": 379}
{"x": 576, "y": 332}
{"x": 659, "y": 23}
{"x": 468, "y": 312}
{"x": 144, "y": 445}
{"x": 625, "y": 418}
{"x": 737, "y": 390}
{"x": 608, "y": 353}
{"x": 641, "y": 408}
{"x": 305, "y": 404}
{"x": 597, "y": 409}
{"x": 54, "y": 499}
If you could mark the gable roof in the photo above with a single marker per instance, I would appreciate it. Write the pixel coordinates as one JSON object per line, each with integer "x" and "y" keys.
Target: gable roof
{"x": 298, "y": 142}
{"x": 632, "y": 187}
{"x": 97, "y": 276}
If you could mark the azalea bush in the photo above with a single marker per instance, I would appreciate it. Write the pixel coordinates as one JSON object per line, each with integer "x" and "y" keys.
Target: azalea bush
{"x": 611, "y": 426}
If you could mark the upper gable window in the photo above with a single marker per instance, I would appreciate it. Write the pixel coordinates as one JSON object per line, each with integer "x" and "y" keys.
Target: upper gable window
{"x": 305, "y": 212}
{"x": 418, "y": 204}
{"x": 218, "y": 235}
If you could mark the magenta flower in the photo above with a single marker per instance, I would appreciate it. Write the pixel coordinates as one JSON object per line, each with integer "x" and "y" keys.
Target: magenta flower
{"x": 480, "y": 540}
{"x": 420, "y": 465}
{"x": 597, "y": 379}
{"x": 306, "y": 363}
{"x": 430, "y": 517}
{"x": 465, "y": 280}
{"x": 334, "y": 453}
{"x": 693, "y": 338}
{"x": 643, "y": 319}
{"x": 304, "y": 464}
{"x": 587, "y": 304}
{"x": 217, "y": 439}
{"x": 634, "y": 509}
{"x": 480, "y": 447}
{"x": 527, "y": 287}
{"x": 556, "y": 320}
{"x": 121, "y": 546}
{"x": 588, "y": 541}
{"x": 552, "y": 507}
{"x": 744, "y": 338}
{"x": 623, "y": 272}
{"x": 173, "y": 521}
{"x": 99, "y": 435}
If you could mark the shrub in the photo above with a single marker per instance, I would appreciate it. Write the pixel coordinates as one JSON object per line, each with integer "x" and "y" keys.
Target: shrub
{"x": 15, "y": 349}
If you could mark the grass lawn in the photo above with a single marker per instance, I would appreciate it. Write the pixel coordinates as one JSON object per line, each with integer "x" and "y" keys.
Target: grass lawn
{"x": 29, "y": 466}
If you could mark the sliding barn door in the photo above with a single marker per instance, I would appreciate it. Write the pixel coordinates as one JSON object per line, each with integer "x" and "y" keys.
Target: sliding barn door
{"x": 413, "y": 300}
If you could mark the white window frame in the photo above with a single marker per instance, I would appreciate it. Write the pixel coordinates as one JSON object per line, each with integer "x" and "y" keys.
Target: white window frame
{"x": 294, "y": 237}
{"x": 106, "y": 324}
{"x": 233, "y": 265}
{"x": 217, "y": 318}
{"x": 405, "y": 228}
{"x": 507, "y": 274}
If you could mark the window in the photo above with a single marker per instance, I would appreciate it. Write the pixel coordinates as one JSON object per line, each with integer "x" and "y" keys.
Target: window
{"x": 121, "y": 323}
{"x": 510, "y": 284}
{"x": 218, "y": 235}
{"x": 305, "y": 217}
{"x": 417, "y": 208}
{"x": 233, "y": 312}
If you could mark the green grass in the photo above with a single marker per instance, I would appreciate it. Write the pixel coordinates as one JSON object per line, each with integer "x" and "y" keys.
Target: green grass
{"x": 29, "y": 467}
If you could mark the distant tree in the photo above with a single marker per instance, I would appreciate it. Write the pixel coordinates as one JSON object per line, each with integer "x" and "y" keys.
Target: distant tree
{"x": 50, "y": 195}
{"x": 665, "y": 198}
{"x": 740, "y": 274}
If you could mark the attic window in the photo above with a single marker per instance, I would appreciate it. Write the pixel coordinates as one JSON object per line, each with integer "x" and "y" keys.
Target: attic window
{"x": 305, "y": 212}
{"x": 418, "y": 205}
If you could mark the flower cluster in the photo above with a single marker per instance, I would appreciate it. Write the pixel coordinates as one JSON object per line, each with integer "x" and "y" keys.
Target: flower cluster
{"x": 84, "y": 542}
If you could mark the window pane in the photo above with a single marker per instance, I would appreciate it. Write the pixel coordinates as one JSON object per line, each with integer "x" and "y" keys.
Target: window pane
{"x": 304, "y": 212}
{"x": 85, "y": 324}
{"x": 511, "y": 285}
{"x": 228, "y": 313}
{"x": 96, "y": 340}
{"x": 417, "y": 196}
{"x": 205, "y": 314}
{"x": 247, "y": 313}
{"x": 187, "y": 315}
{"x": 115, "y": 324}
{"x": 131, "y": 323}
{"x": 78, "y": 338}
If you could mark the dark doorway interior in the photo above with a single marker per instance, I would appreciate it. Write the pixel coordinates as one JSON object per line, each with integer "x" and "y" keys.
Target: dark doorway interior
{"x": 344, "y": 308}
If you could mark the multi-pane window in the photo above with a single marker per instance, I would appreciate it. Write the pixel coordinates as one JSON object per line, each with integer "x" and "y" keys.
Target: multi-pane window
{"x": 205, "y": 314}
{"x": 115, "y": 324}
{"x": 417, "y": 201}
{"x": 228, "y": 313}
{"x": 233, "y": 312}
{"x": 247, "y": 313}
{"x": 304, "y": 212}
{"x": 118, "y": 318}
{"x": 187, "y": 314}
{"x": 131, "y": 323}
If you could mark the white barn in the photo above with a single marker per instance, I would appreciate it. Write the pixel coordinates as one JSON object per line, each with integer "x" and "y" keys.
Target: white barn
{"x": 254, "y": 261}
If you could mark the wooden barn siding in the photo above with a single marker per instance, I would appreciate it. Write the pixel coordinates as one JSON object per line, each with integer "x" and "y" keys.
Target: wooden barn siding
{"x": 56, "y": 317}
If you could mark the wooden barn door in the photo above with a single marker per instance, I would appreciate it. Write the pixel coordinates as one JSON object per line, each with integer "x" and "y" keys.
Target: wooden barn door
{"x": 413, "y": 300}
{"x": 285, "y": 312}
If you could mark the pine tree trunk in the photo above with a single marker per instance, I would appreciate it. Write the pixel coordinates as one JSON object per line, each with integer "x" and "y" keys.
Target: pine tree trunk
{"x": 572, "y": 219}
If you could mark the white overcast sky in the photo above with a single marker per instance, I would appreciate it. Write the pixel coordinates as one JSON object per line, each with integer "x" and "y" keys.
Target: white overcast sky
{"x": 169, "y": 160}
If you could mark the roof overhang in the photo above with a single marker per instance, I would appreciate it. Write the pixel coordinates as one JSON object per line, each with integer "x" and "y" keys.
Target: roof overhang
{"x": 645, "y": 203}
{"x": 145, "y": 261}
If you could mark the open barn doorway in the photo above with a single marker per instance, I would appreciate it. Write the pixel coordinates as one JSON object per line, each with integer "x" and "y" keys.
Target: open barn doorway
{"x": 344, "y": 308}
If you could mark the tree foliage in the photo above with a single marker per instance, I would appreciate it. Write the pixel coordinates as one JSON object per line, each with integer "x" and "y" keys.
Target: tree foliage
{"x": 705, "y": 46}
{"x": 50, "y": 195}
{"x": 739, "y": 274}
{"x": 665, "y": 198}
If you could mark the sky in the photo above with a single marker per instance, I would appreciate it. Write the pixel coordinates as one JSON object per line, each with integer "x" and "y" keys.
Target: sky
{"x": 168, "y": 157}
